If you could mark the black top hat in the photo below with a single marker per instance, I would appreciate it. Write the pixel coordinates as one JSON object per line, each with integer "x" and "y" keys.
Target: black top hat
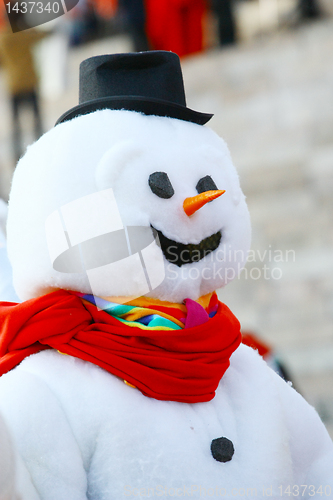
{"x": 147, "y": 82}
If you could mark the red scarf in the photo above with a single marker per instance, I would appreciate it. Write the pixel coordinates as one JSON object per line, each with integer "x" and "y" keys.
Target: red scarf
{"x": 180, "y": 365}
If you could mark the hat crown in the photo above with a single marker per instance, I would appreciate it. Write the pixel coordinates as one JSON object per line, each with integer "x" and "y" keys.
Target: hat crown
{"x": 146, "y": 82}
{"x": 150, "y": 75}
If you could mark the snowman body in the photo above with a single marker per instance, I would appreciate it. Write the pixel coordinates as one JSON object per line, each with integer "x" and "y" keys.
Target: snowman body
{"x": 81, "y": 432}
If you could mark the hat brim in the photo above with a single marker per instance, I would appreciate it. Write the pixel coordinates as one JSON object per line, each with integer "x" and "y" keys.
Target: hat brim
{"x": 140, "y": 104}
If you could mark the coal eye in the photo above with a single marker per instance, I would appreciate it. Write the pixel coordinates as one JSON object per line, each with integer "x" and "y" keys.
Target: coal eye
{"x": 206, "y": 184}
{"x": 160, "y": 185}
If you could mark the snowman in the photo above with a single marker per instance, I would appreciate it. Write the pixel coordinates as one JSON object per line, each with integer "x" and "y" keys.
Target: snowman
{"x": 122, "y": 374}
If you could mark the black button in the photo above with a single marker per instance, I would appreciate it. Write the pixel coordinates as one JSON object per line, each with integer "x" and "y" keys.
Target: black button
{"x": 222, "y": 449}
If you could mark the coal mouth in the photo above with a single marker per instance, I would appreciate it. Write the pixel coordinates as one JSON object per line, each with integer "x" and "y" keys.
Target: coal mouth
{"x": 180, "y": 254}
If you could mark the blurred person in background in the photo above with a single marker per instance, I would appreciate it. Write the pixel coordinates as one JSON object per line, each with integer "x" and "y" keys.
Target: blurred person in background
{"x": 91, "y": 20}
{"x": 84, "y": 23}
{"x": 17, "y": 60}
{"x": 3, "y": 16}
{"x": 309, "y": 9}
{"x": 226, "y": 25}
{"x": 134, "y": 13}
{"x": 176, "y": 25}
{"x": 106, "y": 9}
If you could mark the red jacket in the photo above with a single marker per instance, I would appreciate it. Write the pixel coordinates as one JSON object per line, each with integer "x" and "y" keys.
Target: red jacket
{"x": 175, "y": 25}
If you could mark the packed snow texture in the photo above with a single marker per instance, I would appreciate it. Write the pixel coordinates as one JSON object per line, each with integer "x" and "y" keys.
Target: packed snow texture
{"x": 119, "y": 150}
{"x": 84, "y": 434}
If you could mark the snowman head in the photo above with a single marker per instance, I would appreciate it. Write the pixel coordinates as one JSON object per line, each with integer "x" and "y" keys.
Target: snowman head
{"x": 125, "y": 203}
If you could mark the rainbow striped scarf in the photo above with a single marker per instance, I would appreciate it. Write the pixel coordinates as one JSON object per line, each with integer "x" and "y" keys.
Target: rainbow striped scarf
{"x": 153, "y": 314}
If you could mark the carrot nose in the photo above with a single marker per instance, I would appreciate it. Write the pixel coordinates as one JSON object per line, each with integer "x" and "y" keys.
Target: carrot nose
{"x": 191, "y": 205}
